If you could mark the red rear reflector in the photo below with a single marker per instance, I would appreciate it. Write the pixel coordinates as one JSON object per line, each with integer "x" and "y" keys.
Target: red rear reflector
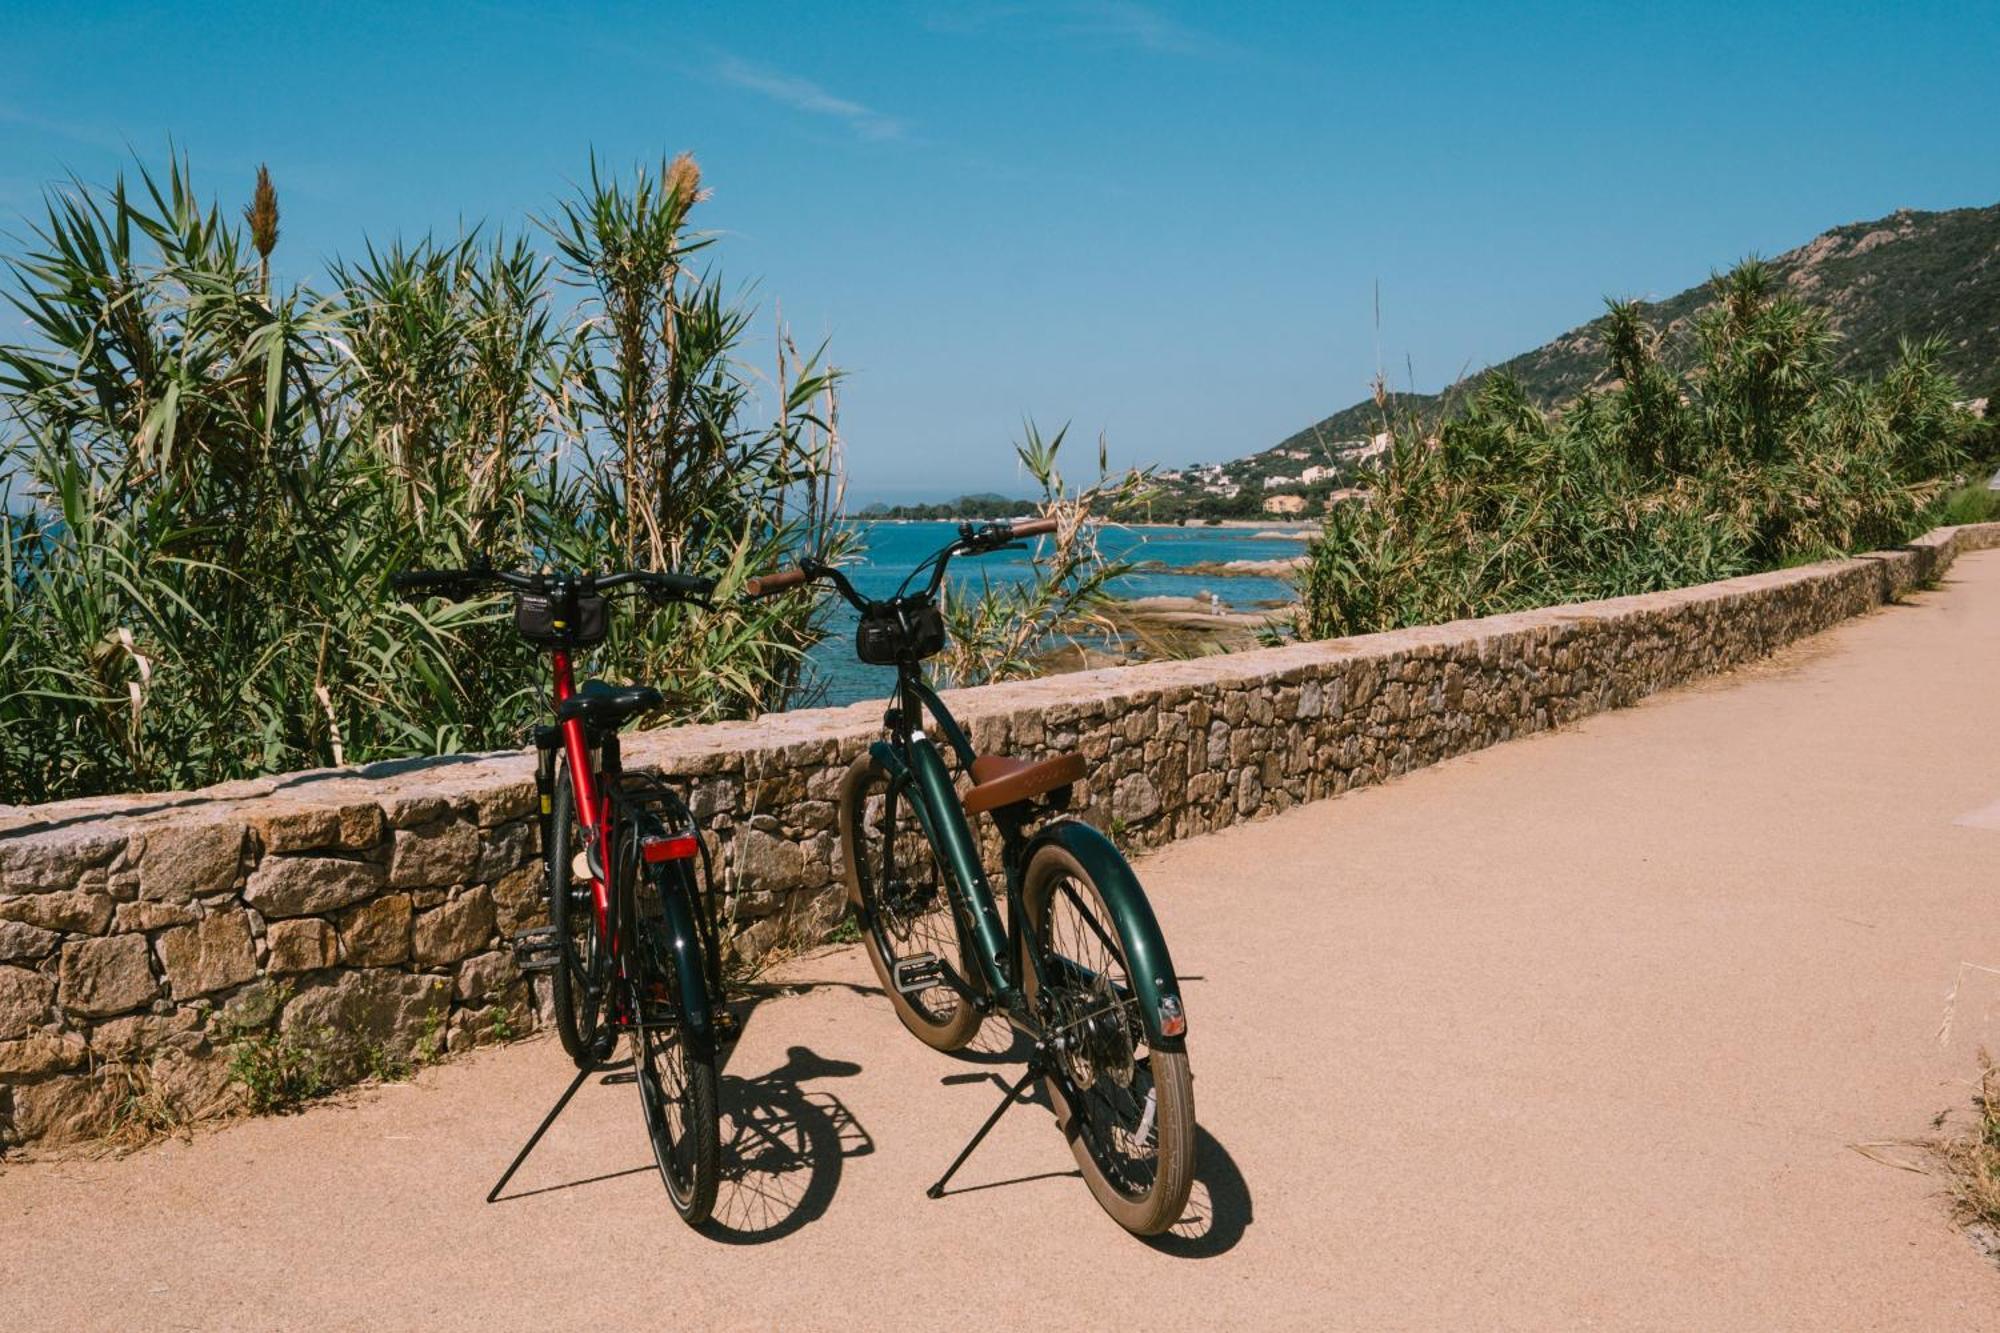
{"x": 681, "y": 848}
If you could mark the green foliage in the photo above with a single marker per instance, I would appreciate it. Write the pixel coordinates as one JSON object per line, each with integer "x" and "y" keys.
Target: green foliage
{"x": 1759, "y": 456}
{"x": 1919, "y": 274}
{"x": 1975, "y": 503}
{"x": 986, "y": 504}
{"x": 280, "y": 1072}
{"x": 998, "y": 632}
{"x": 429, "y": 1045}
{"x": 212, "y": 483}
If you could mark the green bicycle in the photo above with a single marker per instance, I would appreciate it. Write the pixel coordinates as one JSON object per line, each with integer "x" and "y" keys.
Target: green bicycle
{"x": 1077, "y": 963}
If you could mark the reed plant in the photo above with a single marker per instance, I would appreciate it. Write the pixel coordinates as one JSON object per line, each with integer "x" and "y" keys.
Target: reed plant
{"x": 208, "y": 481}
{"x": 1736, "y": 448}
{"x": 1005, "y": 631}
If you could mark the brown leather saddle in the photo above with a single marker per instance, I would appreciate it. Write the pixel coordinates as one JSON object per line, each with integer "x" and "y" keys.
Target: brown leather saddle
{"x": 999, "y": 780}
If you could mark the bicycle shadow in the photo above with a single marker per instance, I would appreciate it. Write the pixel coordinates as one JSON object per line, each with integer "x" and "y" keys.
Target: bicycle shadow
{"x": 1218, "y": 1207}
{"x": 783, "y": 1149}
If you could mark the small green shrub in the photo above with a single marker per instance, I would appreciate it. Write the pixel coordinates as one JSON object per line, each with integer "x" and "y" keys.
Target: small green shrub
{"x": 1970, "y": 504}
{"x": 430, "y": 1043}
{"x": 280, "y": 1072}
{"x": 1970, "y": 1157}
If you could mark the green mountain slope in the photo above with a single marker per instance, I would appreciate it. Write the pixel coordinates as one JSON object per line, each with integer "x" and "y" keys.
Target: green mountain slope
{"x": 1908, "y": 275}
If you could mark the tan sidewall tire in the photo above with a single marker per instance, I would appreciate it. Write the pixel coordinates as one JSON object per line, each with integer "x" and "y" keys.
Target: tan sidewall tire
{"x": 1173, "y": 1120}
{"x": 964, "y": 1025}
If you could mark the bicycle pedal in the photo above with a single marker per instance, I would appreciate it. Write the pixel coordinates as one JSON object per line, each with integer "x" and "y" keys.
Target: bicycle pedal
{"x": 916, "y": 974}
{"x": 537, "y": 950}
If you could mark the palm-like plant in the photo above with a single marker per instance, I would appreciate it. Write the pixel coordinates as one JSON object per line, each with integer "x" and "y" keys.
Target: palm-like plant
{"x": 212, "y": 482}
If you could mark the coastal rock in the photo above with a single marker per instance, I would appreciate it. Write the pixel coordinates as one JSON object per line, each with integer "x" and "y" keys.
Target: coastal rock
{"x": 287, "y": 830}
{"x": 1136, "y": 798}
{"x": 187, "y": 860}
{"x": 302, "y": 944}
{"x": 42, "y": 1054}
{"x": 73, "y": 912}
{"x": 376, "y": 933}
{"x": 24, "y": 1000}
{"x": 486, "y": 973}
{"x": 211, "y": 955}
{"x": 22, "y": 942}
{"x": 357, "y": 1014}
{"x": 521, "y": 899}
{"x": 309, "y": 885}
{"x": 461, "y": 926}
{"x": 139, "y": 1035}
{"x": 56, "y": 860}
{"x": 439, "y": 853}
{"x": 107, "y": 976}
{"x": 768, "y": 864}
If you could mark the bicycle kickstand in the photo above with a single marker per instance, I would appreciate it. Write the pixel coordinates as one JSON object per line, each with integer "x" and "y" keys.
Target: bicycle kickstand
{"x": 1012, "y": 1097}
{"x": 494, "y": 1194}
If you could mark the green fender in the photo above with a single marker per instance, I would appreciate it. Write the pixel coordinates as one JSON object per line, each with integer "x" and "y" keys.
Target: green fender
{"x": 696, "y": 1016}
{"x": 1152, "y": 970}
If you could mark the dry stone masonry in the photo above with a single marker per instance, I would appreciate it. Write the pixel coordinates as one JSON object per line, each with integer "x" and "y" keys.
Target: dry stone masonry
{"x": 362, "y": 914}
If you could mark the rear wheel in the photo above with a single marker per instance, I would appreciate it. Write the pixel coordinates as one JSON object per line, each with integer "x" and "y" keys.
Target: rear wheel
{"x": 1131, "y": 1126}
{"x": 675, "y": 1073}
{"x": 899, "y": 893}
{"x": 582, "y": 965}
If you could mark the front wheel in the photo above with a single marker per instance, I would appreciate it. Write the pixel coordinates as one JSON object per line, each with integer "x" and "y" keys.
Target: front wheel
{"x": 1131, "y": 1128}
{"x": 899, "y": 894}
{"x": 582, "y": 964}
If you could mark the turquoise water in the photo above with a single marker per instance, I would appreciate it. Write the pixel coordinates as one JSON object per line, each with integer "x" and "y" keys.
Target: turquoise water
{"x": 891, "y": 550}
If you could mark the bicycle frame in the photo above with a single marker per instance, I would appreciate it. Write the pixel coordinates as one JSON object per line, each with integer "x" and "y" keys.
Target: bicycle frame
{"x": 917, "y": 772}
{"x": 593, "y": 807}
{"x": 592, "y": 788}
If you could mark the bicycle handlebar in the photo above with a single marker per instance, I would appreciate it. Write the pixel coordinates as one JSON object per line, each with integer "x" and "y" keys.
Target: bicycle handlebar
{"x": 456, "y": 583}
{"x": 972, "y": 539}
{"x": 766, "y": 585}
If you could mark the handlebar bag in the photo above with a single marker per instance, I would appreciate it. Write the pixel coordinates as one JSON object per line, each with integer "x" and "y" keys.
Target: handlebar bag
{"x": 893, "y": 632}
{"x": 539, "y": 617}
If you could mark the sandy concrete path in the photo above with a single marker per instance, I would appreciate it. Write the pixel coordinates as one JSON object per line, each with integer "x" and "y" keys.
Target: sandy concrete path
{"x": 1579, "y": 1031}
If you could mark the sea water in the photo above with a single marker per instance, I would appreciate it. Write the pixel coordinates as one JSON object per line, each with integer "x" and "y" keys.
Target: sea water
{"x": 890, "y": 550}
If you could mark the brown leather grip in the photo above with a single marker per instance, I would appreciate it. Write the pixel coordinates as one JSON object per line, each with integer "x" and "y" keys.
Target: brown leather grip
{"x": 766, "y": 584}
{"x": 1033, "y": 527}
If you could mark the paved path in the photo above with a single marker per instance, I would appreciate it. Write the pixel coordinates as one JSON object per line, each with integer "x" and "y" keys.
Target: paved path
{"x": 1577, "y": 1031}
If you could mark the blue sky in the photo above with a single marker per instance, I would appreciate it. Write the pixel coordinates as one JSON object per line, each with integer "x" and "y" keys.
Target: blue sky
{"x": 1165, "y": 222}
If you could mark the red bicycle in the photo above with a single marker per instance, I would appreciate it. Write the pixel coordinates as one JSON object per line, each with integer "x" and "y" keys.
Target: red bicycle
{"x": 631, "y": 937}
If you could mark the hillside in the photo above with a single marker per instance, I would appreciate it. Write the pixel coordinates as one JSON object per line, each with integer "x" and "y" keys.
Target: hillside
{"x": 1908, "y": 275}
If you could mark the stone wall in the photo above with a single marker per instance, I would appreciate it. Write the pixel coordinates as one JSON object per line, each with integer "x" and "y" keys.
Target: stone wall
{"x": 360, "y": 916}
